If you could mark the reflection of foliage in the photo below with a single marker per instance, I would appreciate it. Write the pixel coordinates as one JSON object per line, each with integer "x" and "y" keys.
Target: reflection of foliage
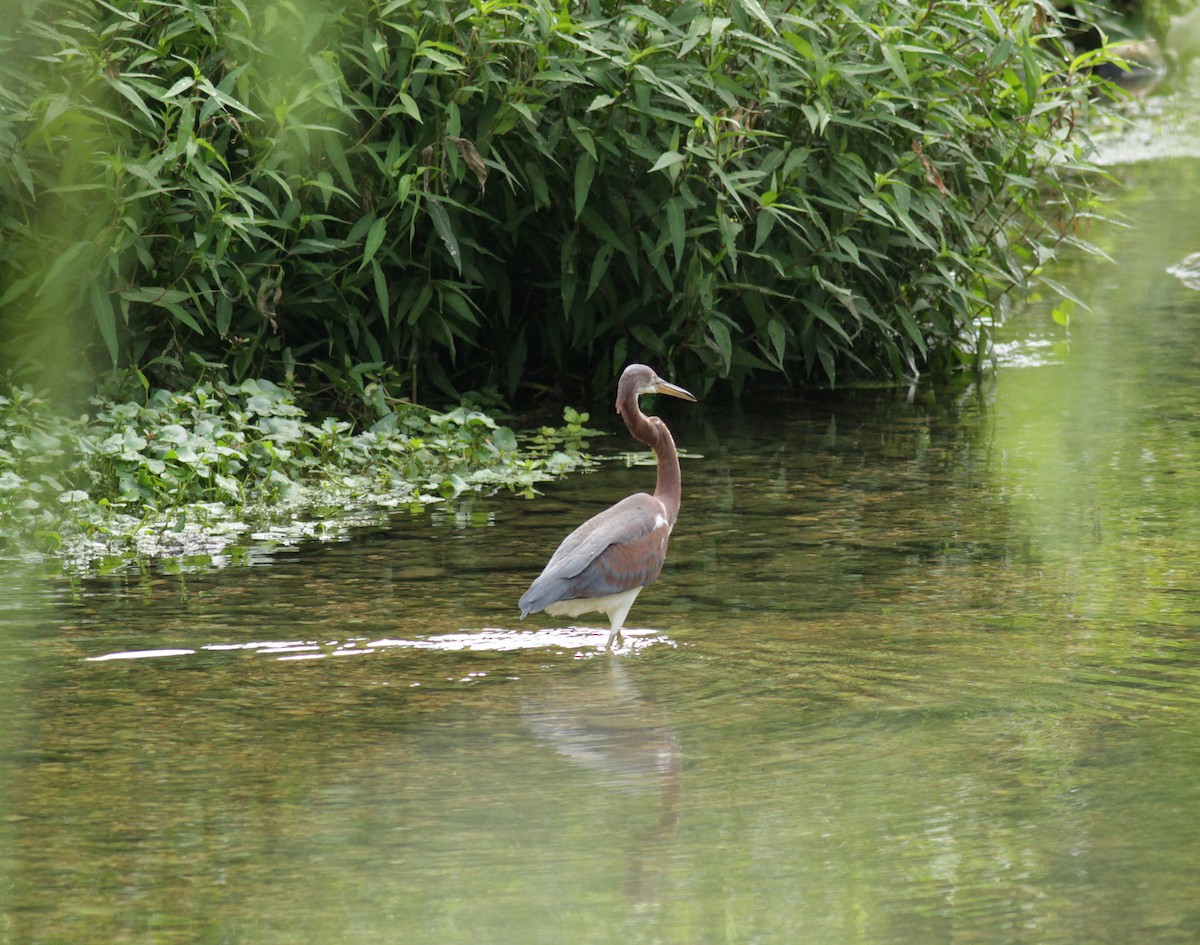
{"x": 806, "y": 188}
{"x": 1157, "y": 14}
{"x": 200, "y": 466}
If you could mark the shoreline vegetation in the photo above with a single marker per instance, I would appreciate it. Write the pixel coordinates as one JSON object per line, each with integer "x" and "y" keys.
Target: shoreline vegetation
{"x": 506, "y": 194}
{"x": 494, "y": 197}
{"x": 203, "y": 476}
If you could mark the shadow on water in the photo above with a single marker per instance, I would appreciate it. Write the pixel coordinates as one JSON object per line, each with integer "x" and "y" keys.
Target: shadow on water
{"x": 919, "y": 670}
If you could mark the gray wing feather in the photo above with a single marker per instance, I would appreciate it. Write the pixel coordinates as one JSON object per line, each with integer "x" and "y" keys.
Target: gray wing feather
{"x": 610, "y": 541}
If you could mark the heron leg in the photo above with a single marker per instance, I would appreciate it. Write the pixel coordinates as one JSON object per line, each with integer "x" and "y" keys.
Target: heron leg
{"x": 617, "y": 608}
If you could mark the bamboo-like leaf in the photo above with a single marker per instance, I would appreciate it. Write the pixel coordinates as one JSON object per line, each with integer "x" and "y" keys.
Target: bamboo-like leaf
{"x": 72, "y": 258}
{"x": 777, "y": 332}
{"x": 677, "y": 229}
{"x": 896, "y": 61}
{"x": 375, "y": 238}
{"x": 382, "y": 296}
{"x": 441, "y": 223}
{"x": 106, "y": 319}
{"x": 130, "y": 95}
{"x": 755, "y": 9}
{"x": 409, "y": 104}
{"x": 585, "y": 170}
{"x": 809, "y": 227}
{"x": 181, "y": 86}
{"x": 667, "y": 159}
{"x": 599, "y": 269}
{"x": 583, "y": 134}
{"x": 721, "y": 340}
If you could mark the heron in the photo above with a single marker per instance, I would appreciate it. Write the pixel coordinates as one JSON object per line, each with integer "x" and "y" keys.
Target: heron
{"x": 604, "y": 564}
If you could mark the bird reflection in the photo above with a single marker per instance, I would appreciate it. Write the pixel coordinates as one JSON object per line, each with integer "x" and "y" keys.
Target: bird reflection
{"x": 598, "y": 721}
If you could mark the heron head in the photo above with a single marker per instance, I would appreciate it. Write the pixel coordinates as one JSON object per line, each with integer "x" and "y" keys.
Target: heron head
{"x": 638, "y": 379}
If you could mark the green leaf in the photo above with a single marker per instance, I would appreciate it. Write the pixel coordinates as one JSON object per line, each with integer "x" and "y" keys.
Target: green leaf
{"x": 677, "y": 227}
{"x": 224, "y": 313}
{"x": 128, "y": 92}
{"x": 1062, "y": 312}
{"x": 893, "y": 59}
{"x": 718, "y": 332}
{"x": 106, "y": 319}
{"x": 777, "y": 332}
{"x": 828, "y": 363}
{"x": 585, "y": 170}
{"x": 583, "y": 134}
{"x": 441, "y": 223}
{"x": 374, "y": 239}
{"x": 754, "y": 8}
{"x": 64, "y": 263}
{"x": 666, "y": 159}
{"x": 600, "y": 101}
{"x": 181, "y": 86}
{"x": 382, "y": 296}
{"x": 409, "y": 104}
{"x": 875, "y": 207}
{"x": 599, "y": 269}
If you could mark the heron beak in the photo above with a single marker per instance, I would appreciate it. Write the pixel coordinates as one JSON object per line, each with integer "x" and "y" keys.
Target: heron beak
{"x": 662, "y": 387}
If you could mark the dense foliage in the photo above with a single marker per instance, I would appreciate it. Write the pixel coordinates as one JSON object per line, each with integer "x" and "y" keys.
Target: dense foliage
{"x": 480, "y": 193}
{"x": 194, "y": 473}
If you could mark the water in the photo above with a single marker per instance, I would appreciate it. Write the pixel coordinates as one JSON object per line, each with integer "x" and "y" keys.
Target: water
{"x": 919, "y": 669}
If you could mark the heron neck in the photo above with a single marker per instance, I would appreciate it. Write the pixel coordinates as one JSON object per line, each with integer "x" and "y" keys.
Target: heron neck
{"x": 654, "y": 433}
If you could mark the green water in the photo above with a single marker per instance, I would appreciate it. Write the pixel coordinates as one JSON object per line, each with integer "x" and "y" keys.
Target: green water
{"x": 921, "y": 669}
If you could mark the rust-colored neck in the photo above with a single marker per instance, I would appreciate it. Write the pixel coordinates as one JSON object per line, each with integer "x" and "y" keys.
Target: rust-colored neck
{"x": 654, "y": 433}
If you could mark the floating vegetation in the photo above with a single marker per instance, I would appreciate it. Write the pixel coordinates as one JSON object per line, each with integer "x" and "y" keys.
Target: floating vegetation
{"x": 209, "y": 471}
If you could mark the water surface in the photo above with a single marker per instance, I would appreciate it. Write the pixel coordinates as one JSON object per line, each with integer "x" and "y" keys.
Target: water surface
{"x": 922, "y": 667}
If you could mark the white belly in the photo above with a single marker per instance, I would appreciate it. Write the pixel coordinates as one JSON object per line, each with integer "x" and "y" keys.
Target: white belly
{"x": 615, "y": 605}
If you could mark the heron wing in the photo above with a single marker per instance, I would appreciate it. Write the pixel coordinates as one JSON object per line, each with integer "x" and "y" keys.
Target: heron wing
{"x": 621, "y": 548}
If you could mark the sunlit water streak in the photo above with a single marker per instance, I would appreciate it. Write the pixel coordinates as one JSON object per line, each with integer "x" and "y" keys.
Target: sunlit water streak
{"x": 583, "y": 641}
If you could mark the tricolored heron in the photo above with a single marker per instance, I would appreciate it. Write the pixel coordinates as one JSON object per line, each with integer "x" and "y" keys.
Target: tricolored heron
{"x": 606, "y": 561}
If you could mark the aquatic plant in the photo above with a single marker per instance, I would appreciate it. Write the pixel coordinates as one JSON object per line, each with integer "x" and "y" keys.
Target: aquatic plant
{"x": 196, "y": 471}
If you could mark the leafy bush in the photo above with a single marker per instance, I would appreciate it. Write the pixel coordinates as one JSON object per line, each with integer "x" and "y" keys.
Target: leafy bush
{"x": 489, "y": 192}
